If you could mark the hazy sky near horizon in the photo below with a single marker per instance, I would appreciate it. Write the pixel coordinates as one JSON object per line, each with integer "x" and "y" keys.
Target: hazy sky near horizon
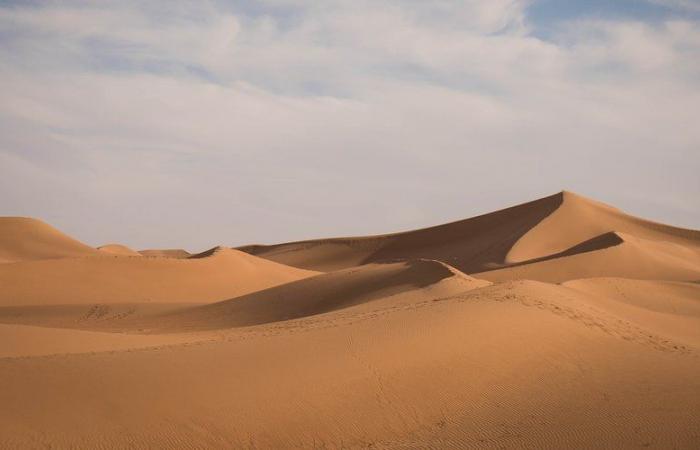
{"x": 195, "y": 123}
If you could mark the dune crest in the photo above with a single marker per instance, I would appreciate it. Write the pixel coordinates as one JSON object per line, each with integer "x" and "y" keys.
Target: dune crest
{"x": 175, "y": 253}
{"x": 326, "y": 293}
{"x": 579, "y": 219}
{"x": 24, "y": 239}
{"x": 118, "y": 249}
{"x": 560, "y": 322}
{"x": 612, "y": 254}
{"x": 116, "y": 279}
{"x": 505, "y": 241}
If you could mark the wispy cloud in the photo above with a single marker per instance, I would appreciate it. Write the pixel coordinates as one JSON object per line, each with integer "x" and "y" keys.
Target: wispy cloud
{"x": 281, "y": 120}
{"x": 690, "y": 5}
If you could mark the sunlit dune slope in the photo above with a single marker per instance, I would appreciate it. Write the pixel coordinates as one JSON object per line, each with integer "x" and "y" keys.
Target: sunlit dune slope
{"x": 118, "y": 249}
{"x": 23, "y": 239}
{"x": 519, "y": 364}
{"x": 523, "y": 233}
{"x": 325, "y": 293}
{"x": 224, "y": 274}
{"x": 669, "y": 308}
{"x": 609, "y": 255}
{"x": 400, "y": 283}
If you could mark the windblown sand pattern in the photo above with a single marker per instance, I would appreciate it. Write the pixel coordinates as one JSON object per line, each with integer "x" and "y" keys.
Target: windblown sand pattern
{"x": 559, "y": 323}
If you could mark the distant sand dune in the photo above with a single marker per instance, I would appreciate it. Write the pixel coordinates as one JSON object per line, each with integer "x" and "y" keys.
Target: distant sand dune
{"x": 118, "y": 249}
{"x": 564, "y": 223}
{"x": 177, "y": 253}
{"x": 117, "y": 279}
{"x": 23, "y": 239}
{"x": 579, "y": 327}
{"x": 326, "y": 293}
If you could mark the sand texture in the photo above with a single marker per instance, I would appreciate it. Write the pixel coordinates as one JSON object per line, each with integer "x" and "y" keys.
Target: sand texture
{"x": 559, "y": 323}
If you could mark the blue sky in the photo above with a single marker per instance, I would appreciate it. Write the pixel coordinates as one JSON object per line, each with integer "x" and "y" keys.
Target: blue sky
{"x": 192, "y": 124}
{"x": 545, "y": 12}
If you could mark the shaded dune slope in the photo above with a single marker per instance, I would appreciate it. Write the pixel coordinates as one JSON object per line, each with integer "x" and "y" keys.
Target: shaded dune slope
{"x": 23, "y": 239}
{"x": 609, "y": 255}
{"x": 562, "y": 225}
{"x": 327, "y": 292}
{"x": 470, "y": 245}
{"x": 432, "y": 373}
{"x": 402, "y": 282}
{"x": 115, "y": 279}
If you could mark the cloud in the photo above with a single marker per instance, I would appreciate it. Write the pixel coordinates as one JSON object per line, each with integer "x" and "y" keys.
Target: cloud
{"x": 272, "y": 121}
{"x": 689, "y": 5}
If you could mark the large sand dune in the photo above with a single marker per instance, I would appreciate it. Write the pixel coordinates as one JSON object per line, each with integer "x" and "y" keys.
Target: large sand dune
{"x": 23, "y": 239}
{"x": 579, "y": 327}
{"x": 118, "y": 279}
{"x": 118, "y": 249}
{"x": 560, "y": 224}
{"x": 512, "y": 365}
{"x": 609, "y": 255}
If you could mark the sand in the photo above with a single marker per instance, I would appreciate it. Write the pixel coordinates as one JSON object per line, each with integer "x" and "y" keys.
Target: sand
{"x": 23, "y": 239}
{"x": 118, "y": 249}
{"x": 177, "y": 253}
{"x": 119, "y": 279}
{"x": 525, "y": 233}
{"x": 560, "y": 323}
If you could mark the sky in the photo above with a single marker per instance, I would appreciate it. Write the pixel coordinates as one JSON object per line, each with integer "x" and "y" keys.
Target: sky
{"x": 198, "y": 123}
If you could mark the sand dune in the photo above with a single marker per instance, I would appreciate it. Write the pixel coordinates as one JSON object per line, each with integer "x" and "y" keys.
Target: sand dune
{"x": 579, "y": 219}
{"x": 470, "y": 245}
{"x": 609, "y": 255}
{"x": 578, "y": 326}
{"x": 469, "y": 370}
{"x": 23, "y": 341}
{"x": 23, "y": 239}
{"x": 398, "y": 283}
{"x": 118, "y": 279}
{"x": 525, "y": 233}
{"x": 665, "y": 307}
{"x": 325, "y": 293}
{"x": 118, "y": 249}
{"x": 176, "y": 253}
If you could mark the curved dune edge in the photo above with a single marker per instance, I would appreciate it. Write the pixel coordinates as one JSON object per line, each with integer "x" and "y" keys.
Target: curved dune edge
{"x": 214, "y": 251}
{"x": 580, "y": 219}
{"x": 327, "y": 293}
{"x": 668, "y": 308}
{"x": 115, "y": 279}
{"x": 551, "y": 227}
{"x": 627, "y": 257}
{"x": 470, "y": 245}
{"x": 400, "y": 282}
{"x": 661, "y": 296}
{"x": 434, "y": 372}
{"x": 118, "y": 249}
{"x": 26, "y": 239}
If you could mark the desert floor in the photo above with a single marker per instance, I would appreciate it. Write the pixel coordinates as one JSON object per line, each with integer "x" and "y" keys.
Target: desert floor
{"x": 559, "y": 323}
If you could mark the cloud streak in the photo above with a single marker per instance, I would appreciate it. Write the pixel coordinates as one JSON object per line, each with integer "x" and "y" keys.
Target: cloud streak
{"x": 240, "y": 122}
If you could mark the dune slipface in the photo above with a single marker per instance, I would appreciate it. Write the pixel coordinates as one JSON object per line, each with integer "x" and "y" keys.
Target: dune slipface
{"x": 559, "y": 323}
